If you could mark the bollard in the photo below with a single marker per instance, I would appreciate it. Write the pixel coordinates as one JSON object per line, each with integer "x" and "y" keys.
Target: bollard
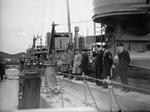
{"x": 31, "y": 90}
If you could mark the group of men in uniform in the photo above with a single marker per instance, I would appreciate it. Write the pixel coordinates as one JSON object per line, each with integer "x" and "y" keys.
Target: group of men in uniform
{"x": 103, "y": 64}
{"x": 79, "y": 62}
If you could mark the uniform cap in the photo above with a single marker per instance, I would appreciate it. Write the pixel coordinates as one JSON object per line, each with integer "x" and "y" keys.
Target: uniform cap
{"x": 119, "y": 44}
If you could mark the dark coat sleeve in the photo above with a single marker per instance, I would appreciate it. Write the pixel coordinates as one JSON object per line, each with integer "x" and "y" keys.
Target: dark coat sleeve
{"x": 2, "y": 69}
{"x": 108, "y": 59}
{"x": 124, "y": 59}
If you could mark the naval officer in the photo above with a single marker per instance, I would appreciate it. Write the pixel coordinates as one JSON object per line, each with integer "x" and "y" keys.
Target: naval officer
{"x": 124, "y": 60}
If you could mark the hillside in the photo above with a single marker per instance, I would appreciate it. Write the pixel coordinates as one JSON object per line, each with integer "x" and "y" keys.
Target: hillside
{"x": 18, "y": 55}
{"x": 10, "y": 56}
{"x": 5, "y": 55}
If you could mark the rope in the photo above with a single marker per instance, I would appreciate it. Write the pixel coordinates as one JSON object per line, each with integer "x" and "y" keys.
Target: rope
{"x": 76, "y": 22}
{"x": 65, "y": 84}
{"x": 80, "y": 76}
{"x": 41, "y": 26}
{"x": 114, "y": 82}
{"x": 137, "y": 88}
{"x": 139, "y": 66}
{"x": 135, "y": 100}
{"x": 11, "y": 75}
{"x": 76, "y": 76}
{"x": 12, "y": 78}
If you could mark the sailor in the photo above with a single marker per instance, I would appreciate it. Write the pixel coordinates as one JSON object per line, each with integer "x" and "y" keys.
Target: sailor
{"x": 85, "y": 62}
{"x": 99, "y": 64}
{"x": 107, "y": 64}
{"x": 124, "y": 60}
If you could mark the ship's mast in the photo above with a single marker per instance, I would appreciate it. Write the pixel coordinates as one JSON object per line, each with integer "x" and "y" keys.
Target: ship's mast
{"x": 69, "y": 24}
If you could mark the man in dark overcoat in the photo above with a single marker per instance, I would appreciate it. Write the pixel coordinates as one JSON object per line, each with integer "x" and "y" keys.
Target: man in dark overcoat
{"x": 107, "y": 64}
{"x": 124, "y": 60}
{"x": 85, "y": 62}
{"x": 99, "y": 65}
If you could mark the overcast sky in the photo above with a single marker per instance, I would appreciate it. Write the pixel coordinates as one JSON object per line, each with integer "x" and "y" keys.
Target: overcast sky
{"x": 21, "y": 19}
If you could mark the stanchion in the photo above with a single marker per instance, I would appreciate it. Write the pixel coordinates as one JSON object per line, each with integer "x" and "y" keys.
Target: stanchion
{"x": 112, "y": 95}
{"x": 92, "y": 96}
{"x": 110, "y": 88}
{"x": 110, "y": 106}
{"x": 85, "y": 95}
{"x": 116, "y": 99}
{"x": 86, "y": 84}
{"x": 62, "y": 101}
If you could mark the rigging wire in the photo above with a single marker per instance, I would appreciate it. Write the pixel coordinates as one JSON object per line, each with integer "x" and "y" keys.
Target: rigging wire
{"x": 39, "y": 26}
{"x": 43, "y": 22}
{"x": 51, "y": 10}
{"x": 83, "y": 21}
{"x": 50, "y": 14}
{"x": 43, "y": 16}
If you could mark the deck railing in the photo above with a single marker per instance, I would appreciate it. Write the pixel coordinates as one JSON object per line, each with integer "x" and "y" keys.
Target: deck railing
{"x": 110, "y": 84}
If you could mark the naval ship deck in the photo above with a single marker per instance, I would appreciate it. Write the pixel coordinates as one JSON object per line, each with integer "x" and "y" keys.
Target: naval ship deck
{"x": 72, "y": 94}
